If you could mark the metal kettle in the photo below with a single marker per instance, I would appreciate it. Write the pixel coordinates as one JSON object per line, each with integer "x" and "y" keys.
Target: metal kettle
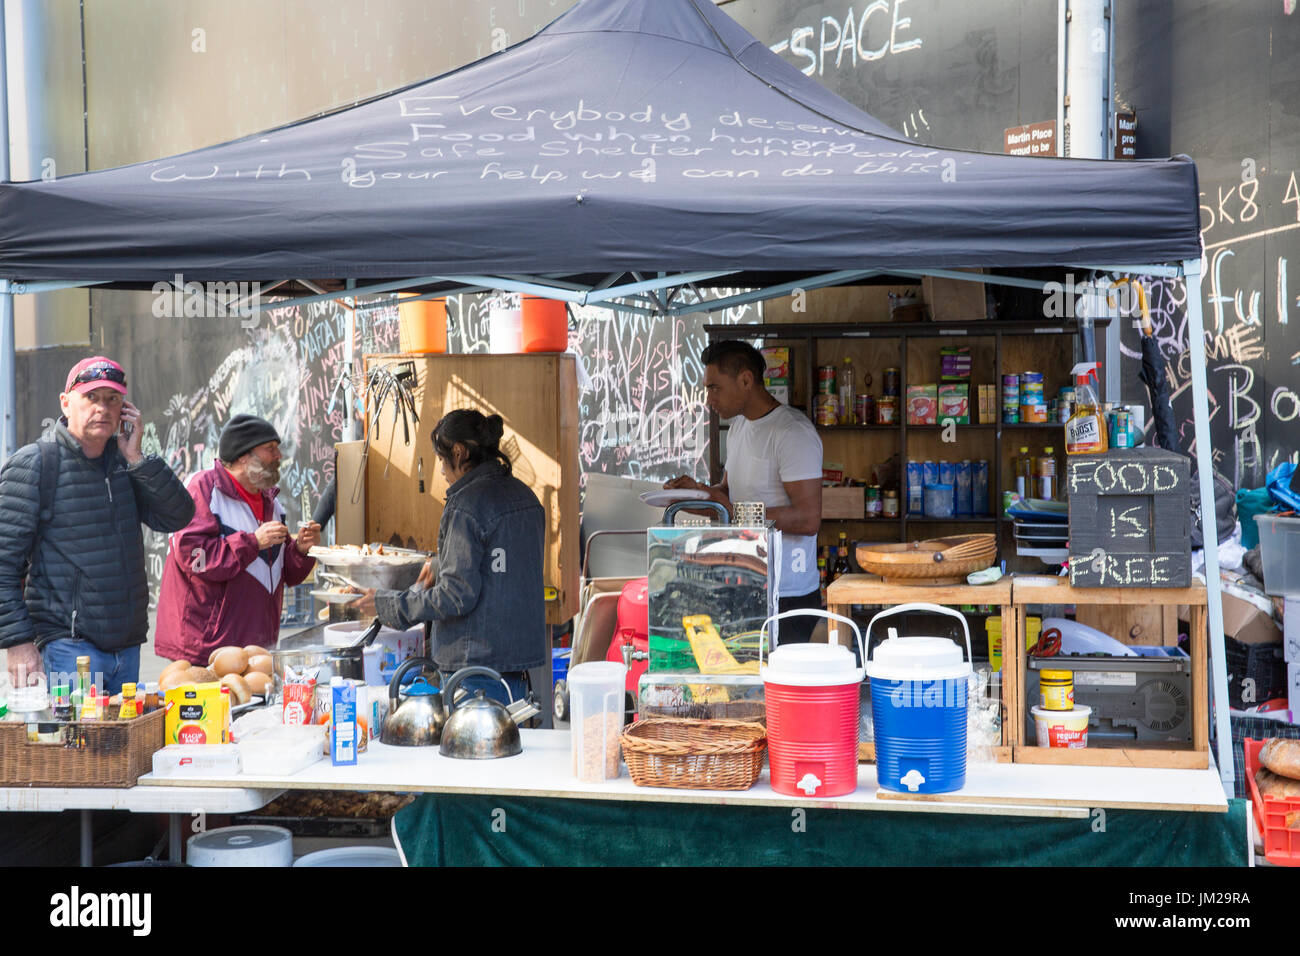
{"x": 416, "y": 718}
{"x": 479, "y": 728}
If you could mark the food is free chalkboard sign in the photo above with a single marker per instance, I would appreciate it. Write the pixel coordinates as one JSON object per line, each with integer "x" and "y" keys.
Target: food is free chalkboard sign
{"x": 1130, "y": 519}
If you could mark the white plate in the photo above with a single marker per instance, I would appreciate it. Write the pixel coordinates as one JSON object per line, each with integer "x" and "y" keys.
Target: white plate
{"x": 668, "y": 496}
{"x": 333, "y": 597}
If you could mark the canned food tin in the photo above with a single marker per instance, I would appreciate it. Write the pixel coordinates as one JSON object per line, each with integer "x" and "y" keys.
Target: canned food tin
{"x": 890, "y": 385}
{"x": 1064, "y": 409}
{"x": 1033, "y": 378}
{"x": 1119, "y": 436}
{"x": 828, "y": 410}
{"x": 1009, "y": 498}
{"x": 865, "y": 406}
{"x": 1033, "y": 413}
{"x": 826, "y": 380}
{"x": 887, "y": 410}
{"x": 1010, "y": 416}
{"x": 1011, "y": 380}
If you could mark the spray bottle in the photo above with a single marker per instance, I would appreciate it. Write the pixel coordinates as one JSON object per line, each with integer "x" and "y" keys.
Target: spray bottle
{"x": 1085, "y": 432}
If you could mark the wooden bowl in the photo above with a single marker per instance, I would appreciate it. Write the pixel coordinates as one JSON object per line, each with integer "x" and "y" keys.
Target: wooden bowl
{"x": 938, "y": 561}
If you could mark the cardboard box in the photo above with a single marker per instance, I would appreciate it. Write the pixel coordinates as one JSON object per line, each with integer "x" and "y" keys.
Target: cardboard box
{"x": 988, "y": 405}
{"x": 1293, "y": 689}
{"x": 197, "y": 714}
{"x": 1291, "y": 630}
{"x": 954, "y": 403}
{"x": 844, "y": 502}
{"x": 922, "y": 404}
{"x": 778, "y": 364}
{"x": 955, "y": 300}
{"x": 1246, "y": 622}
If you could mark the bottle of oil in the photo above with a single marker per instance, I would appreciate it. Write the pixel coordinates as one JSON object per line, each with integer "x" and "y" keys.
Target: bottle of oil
{"x": 1047, "y": 478}
{"x": 847, "y": 414}
{"x": 1024, "y": 472}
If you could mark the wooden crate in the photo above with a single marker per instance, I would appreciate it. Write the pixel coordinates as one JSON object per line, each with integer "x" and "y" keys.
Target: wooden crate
{"x": 870, "y": 589}
{"x": 537, "y": 395}
{"x": 1041, "y": 590}
{"x": 1130, "y": 519}
{"x": 843, "y": 502}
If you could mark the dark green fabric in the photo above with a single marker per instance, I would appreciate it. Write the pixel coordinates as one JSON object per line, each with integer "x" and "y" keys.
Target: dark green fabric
{"x": 456, "y": 830}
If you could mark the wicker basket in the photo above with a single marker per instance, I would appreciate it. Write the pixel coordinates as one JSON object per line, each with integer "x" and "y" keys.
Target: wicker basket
{"x": 937, "y": 561}
{"x": 115, "y": 755}
{"x": 694, "y": 754}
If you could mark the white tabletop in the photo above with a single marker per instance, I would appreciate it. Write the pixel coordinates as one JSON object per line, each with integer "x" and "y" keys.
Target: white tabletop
{"x": 238, "y": 798}
{"x": 544, "y": 770}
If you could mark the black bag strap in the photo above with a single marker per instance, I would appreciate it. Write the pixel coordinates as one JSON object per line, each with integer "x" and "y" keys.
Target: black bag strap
{"x": 49, "y": 477}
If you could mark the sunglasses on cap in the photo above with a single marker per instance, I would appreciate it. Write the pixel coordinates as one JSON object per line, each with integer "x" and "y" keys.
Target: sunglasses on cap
{"x": 100, "y": 373}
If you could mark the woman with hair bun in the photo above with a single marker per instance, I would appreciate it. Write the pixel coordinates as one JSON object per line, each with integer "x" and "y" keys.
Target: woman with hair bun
{"x": 486, "y": 603}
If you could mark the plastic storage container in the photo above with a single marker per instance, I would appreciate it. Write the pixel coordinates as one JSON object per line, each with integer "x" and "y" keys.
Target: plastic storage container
{"x": 241, "y": 846}
{"x": 690, "y": 696}
{"x": 812, "y": 693}
{"x": 282, "y": 750}
{"x": 545, "y": 325}
{"x": 596, "y": 691}
{"x": 505, "y": 330}
{"x": 1279, "y": 550}
{"x": 919, "y": 691}
{"x": 196, "y": 760}
{"x": 351, "y": 856}
{"x": 422, "y": 325}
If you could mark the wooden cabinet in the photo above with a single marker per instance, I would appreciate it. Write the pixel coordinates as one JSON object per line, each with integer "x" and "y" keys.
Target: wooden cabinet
{"x": 997, "y": 347}
{"x": 537, "y": 396}
{"x": 1037, "y": 591}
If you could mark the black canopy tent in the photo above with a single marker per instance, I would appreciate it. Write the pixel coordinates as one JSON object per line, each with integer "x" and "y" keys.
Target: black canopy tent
{"x": 628, "y": 149}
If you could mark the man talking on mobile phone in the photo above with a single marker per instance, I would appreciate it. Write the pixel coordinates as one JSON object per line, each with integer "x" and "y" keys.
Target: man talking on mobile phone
{"x": 72, "y": 571}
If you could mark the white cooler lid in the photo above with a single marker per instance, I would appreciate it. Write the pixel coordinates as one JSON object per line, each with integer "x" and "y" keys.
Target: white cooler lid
{"x": 917, "y": 658}
{"x": 811, "y": 665}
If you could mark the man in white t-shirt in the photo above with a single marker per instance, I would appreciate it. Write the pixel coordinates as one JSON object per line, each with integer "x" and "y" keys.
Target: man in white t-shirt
{"x": 774, "y": 455}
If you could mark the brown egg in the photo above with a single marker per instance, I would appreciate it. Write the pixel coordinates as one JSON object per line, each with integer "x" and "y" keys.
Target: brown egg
{"x": 229, "y": 660}
{"x": 262, "y": 663}
{"x": 239, "y": 690}
{"x": 258, "y": 683}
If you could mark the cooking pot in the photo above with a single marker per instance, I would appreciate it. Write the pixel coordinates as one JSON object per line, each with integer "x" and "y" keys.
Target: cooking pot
{"x": 479, "y": 728}
{"x": 416, "y": 717}
{"x": 306, "y": 650}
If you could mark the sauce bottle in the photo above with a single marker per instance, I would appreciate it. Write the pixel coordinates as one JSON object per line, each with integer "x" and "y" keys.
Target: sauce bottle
{"x": 130, "y": 705}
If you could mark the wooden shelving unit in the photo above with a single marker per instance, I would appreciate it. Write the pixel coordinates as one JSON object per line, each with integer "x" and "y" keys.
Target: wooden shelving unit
{"x": 853, "y": 589}
{"x": 1056, "y": 591}
{"x": 1005, "y": 346}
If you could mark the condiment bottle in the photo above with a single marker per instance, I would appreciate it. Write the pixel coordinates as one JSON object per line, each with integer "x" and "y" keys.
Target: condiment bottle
{"x": 151, "y": 700}
{"x": 1024, "y": 469}
{"x": 1047, "y": 480}
{"x": 130, "y": 705}
{"x": 847, "y": 414}
{"x": 842, "y": 558}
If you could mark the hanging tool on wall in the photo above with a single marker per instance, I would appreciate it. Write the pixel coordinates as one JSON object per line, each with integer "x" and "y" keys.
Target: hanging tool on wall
{"x": 396, "y": 383}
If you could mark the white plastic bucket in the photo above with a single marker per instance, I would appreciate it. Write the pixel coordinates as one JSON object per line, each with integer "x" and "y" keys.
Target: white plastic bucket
{"x": 506, "y": 331}
{"x": 352, "y": 856}
{"x": 1062, "y": 728}
{"x": 241, "y": 846}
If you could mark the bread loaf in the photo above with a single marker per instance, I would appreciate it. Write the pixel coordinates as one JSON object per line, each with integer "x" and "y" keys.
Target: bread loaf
{"x": 1281, "y": 756}
{"x": 1272, "y": 785}
{"x": 1293, "y": 820}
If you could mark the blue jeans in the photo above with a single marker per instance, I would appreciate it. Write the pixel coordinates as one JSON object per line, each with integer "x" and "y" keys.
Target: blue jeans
{"x": 109, "y": 670}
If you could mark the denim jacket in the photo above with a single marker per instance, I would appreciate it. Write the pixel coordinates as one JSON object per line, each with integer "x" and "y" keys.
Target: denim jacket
{"x": 487, "y": 604}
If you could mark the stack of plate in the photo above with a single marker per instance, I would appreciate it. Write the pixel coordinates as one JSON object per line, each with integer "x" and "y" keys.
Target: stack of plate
{"x": 1042, "y": 529}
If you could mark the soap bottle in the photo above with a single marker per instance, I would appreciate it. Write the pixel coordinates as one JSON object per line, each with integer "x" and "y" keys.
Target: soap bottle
{"x": 1085, "y": 432}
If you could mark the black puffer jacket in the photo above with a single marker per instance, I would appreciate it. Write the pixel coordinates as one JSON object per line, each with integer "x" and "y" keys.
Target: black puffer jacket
{"x": 87, "y": 575}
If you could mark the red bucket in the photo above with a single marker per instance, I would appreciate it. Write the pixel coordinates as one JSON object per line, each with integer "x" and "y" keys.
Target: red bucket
{"x": 811, "y": 693}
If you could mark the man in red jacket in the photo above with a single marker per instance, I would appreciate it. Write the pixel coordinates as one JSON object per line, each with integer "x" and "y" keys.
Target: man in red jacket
{"x": 224, "y": 579}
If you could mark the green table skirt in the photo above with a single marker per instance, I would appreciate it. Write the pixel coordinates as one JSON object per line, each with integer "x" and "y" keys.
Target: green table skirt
{"x": 456, "y": 830}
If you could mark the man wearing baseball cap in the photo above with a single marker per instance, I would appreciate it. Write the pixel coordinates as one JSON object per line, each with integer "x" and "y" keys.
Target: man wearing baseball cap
{"x": 72, "y": 572}
{"x": 223, "y": 583}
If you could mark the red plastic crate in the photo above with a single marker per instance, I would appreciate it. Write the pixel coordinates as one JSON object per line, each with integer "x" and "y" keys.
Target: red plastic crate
{"x": 1281, "y": 846}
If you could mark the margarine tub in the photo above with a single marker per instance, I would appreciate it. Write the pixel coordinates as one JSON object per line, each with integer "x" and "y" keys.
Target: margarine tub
{"x": 1062, "y": 728}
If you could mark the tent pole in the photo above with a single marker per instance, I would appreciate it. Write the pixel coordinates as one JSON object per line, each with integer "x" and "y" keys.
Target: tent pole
{"x": 1209, "y": 523}
{"x": 349, "y": 358}
{"x": 8, "y": 330}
